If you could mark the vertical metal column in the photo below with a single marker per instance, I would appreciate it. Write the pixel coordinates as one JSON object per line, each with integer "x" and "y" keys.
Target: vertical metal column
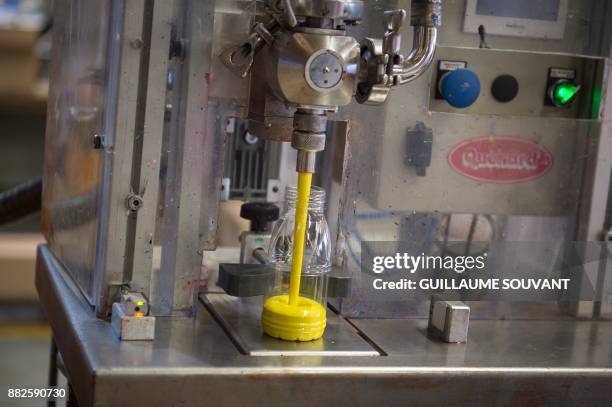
{"x": 195, "y": 172}
{"x": 52, "y": 374}
{"x": 146, "y": 175}
{"x": 120, "y": 125}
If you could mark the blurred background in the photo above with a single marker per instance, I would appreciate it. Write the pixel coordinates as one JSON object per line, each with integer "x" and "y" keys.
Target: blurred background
{"x": 24, "y": 52}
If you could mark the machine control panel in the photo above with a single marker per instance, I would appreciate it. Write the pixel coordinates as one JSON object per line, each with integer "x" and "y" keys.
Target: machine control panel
{"x": 515, "y": 83}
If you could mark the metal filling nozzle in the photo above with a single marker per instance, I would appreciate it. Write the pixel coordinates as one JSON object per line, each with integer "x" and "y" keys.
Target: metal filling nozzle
{"x": 308, "y": 137}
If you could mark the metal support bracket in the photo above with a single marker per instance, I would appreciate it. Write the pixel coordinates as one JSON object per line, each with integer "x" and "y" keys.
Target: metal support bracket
{"x": 130, "y": 320}
{"x": 449, "y": 320}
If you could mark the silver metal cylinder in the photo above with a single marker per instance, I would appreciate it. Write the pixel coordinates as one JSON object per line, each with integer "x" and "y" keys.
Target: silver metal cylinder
{"x": 309, "y": 130}
{"x": 426, "y": 13}
{"x": 308, "y": 141}
{"x": 309, "y": 126}
{"x": 306, "y": 161}
{"x": 345, "y": 9}
{"x": 309, "y": 123}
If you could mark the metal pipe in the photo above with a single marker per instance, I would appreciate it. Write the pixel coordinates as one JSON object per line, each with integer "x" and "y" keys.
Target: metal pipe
{"x": 306, "y": 161}
{"x": 421, "y": 56}
{"x": 425, "y": 17}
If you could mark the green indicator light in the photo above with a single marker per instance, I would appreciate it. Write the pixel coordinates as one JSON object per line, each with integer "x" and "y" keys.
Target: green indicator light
{"x": 596, "y": 104}
{"x": 564, "y": 92}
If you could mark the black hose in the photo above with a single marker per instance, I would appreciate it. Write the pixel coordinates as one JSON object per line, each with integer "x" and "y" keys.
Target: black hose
{"x": 21, "y": 200}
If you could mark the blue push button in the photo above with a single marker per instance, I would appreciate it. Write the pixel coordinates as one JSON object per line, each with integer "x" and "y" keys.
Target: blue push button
{"x": 460, "y": 88}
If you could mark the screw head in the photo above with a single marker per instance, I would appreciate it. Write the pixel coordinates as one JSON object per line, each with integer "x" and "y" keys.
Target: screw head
{"x": 134, "y": 202}
{"x": 136, "y": 43}
{"x": 168, "y": 112}
{"x": 250, "y": 138}
{"x": 170, "y": 77}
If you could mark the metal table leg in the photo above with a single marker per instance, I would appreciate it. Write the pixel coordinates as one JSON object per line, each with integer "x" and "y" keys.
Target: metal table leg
{"x": 52, "y": 375}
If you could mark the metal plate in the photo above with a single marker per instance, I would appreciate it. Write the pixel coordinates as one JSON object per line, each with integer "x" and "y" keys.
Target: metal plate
{"x": 192, "y": 361}
{"x": 241, "y": 319}
{"x": 519, "y": 345}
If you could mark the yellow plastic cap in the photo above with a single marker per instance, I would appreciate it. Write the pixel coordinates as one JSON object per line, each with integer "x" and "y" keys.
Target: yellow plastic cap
{"x": 302, "y": 322}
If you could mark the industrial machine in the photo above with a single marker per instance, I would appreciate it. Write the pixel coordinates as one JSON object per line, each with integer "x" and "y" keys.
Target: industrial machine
{"x": 488, "y": 134}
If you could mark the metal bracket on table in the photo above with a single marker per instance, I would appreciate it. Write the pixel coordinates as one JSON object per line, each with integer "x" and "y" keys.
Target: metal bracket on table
{"x": 131, "y": 320}
{"x": 241, "y": 320}
{"x": 449, "y": 320}
{"x": 250, "y": 280}
{"x": 245, "y": 280}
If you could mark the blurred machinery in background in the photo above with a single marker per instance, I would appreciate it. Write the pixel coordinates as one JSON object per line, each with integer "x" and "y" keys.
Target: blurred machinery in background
{"x": 23, "y": 97}
{"x": 161, "y": 109}
{"x": 23, "y": 79}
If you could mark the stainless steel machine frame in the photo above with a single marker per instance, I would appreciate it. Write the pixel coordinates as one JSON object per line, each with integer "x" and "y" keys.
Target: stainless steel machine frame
{"x": 194, "y": 362}
{"x": 157, "y": 164}
{"x": 133, "y": 175}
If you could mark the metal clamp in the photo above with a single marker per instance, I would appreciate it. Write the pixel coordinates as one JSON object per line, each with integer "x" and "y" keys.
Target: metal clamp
{"x": 239, "y": 59}
{"x": 245, "y": 280}
{"x": 339, "y": 285}
{"x": 289, "y": 14}
{"x": 374, "y": 86}
{"x": 383, "y": 67}
{"x": 249, "y": 280}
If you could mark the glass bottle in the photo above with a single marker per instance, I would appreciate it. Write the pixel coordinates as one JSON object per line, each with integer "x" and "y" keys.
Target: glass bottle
{"x": 317, "y": 254}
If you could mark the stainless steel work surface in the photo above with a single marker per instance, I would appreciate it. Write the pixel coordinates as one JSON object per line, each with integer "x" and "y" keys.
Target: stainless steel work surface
{"x": 498, "y": 344}
{"x": 193, "y": 361}
{"x": 241, "y": 319}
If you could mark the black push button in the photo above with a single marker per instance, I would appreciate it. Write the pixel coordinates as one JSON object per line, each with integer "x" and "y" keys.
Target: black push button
{"x": 505, "y": 88}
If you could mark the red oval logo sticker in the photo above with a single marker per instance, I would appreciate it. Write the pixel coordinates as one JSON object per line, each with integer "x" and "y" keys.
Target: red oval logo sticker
{"x": 500, "y": 159}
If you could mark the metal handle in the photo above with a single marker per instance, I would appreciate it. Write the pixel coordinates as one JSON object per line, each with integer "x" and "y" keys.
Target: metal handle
{"x": 239, "y": 58}
{"x": 288, "y": 13}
